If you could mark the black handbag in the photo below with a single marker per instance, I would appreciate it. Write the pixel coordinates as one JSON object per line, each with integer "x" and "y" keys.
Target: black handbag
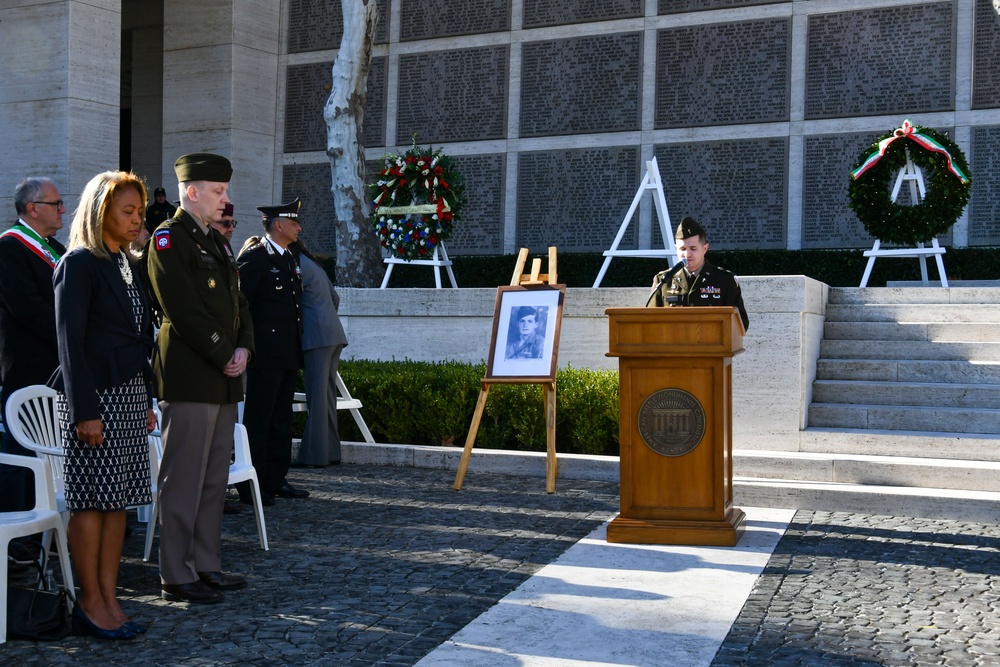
{"x": 37, "y": 613}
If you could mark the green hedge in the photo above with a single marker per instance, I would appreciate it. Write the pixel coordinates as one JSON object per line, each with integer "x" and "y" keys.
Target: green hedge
{"x": 424, "y": 403}
{"x": 837, "y": 268}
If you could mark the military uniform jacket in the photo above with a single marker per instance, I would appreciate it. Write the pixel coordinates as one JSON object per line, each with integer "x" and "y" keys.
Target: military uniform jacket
{"x": 205, "y": 317}
{"x": 711, "y": 287}
{"x": 273, "y": 286}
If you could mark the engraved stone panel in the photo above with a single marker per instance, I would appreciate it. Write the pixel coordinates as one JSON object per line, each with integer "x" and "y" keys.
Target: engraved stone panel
{"x": 311, "y": 182}
{"x": 565, "y": 199}
{"x": 480, "y": 231}
{"x": 723, "y": 74}
{"x": 826, "y": 220}
{"x": 984, "y": 206}
{"x": 581, "y": 85}
{"x": 737, "y": 190}
{"x": 458, "y": 95}
{"x": 427, "y": 19}
{"x": 681, "y": 6}
{"x": 540, "y": 13}
{"x": 881, "y": 61}
{"x": 317, "y": 25}
{"x": 306, "y": 91}
{"x": 985, "y": 58}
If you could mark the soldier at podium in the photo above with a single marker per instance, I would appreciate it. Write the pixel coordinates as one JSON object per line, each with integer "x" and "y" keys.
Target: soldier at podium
{"x": 699, "y": 283}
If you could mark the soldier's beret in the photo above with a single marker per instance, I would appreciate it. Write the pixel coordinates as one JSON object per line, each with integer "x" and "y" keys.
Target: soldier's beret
{"x": 203, "y": 167}
{"x": 289, "y": 210}
{"x": 228, "y": 210}
{"x": 688, "y": 228}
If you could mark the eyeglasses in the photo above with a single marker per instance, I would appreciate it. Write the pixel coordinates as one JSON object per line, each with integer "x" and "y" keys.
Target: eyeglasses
{"x": 58, "y": 204}
{"x": 230, "y": 224}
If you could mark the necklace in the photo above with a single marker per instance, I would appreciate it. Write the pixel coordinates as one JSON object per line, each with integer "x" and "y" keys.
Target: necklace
{"x": 125, "y": 268}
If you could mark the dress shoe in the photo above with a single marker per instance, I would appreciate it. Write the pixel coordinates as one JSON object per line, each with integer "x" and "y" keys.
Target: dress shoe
{"x": 196, "y": 591}
{"x": 221, "y": 581}
{"x": 286, "y": 490}
{"x": 84, "y": 626}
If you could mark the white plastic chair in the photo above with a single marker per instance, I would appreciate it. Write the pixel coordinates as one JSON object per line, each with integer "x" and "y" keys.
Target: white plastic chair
{"x": 240, "y": 470}
{"x": 35, "y": 425}
{"x": 43, "y": 518}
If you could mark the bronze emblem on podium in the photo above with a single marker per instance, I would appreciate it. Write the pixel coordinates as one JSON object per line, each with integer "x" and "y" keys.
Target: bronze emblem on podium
{"x": 671, "y": 422}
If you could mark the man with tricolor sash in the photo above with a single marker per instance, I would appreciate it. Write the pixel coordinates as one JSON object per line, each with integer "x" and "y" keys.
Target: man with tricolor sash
{"x": 28, "y": 349}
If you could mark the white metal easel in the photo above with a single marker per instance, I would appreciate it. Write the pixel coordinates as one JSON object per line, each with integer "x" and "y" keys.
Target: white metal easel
{"x": 344, "y": 402}
{"x": 651, "y": 181}
{"x": 915, "y": 179}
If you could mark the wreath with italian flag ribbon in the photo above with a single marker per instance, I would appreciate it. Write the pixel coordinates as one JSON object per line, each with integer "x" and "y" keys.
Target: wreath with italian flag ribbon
{"x": 946, "y": 179}
{"x": 416, "y": 199}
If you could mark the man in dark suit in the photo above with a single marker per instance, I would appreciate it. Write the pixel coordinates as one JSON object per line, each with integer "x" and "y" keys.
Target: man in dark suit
{"x": 271, "y": 281}
{"x": 205, "y": 341}
{"x": 28, "y": 349}
{"x": 700, "y": 283}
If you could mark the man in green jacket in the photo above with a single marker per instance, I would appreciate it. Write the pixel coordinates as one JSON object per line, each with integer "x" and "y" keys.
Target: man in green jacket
{"x": 205, "y": 341}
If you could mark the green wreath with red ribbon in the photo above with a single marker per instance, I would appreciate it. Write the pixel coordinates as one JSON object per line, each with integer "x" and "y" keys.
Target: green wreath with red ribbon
{"x": 945, "y": 171}
{"x": 416, "y": 199}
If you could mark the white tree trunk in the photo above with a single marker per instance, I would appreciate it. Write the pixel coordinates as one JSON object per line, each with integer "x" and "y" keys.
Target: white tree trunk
{"x": 359, "y": 260}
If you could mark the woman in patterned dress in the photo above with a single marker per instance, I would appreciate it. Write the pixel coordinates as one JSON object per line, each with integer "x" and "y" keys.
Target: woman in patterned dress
{"x": 105, "y": 406}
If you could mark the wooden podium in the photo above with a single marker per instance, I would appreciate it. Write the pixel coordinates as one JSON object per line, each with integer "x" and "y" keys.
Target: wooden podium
{"x": 675, "y": 385}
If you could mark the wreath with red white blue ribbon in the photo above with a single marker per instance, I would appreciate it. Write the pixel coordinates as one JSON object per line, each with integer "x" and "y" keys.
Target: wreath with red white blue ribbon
{"x": 416, "y": 199}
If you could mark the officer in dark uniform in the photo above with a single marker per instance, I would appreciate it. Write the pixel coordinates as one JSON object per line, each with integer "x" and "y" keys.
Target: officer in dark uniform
{"x": 205, "y": 341}
{"x": 159, "y": 210}
{"x": 699, "y": 283}
{"x": 272, "y": 283}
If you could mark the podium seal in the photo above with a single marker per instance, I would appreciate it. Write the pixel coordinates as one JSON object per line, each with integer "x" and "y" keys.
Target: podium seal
{"x": 671, "y": 422}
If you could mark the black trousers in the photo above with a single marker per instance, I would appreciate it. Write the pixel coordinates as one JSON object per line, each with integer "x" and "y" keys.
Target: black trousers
{"x": 267, "y": 416}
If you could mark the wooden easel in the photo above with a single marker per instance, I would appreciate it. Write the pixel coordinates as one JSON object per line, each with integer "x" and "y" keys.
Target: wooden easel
{"x": 535, "y": 277}
{"x": 651, "y": 181}
{"x": 915, "y": 180}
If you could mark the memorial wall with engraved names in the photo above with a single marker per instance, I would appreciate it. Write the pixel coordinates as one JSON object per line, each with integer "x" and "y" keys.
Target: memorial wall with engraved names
{"x": 755, "y": 110}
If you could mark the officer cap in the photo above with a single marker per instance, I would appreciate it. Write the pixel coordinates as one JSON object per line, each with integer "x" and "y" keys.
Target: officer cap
{"x": 688, "y": 228}
{"x": 203, "y": 167}
{"x": 228, "y": 210}
{"x": 289, "y": 210}
{"x": 159, "y": 191}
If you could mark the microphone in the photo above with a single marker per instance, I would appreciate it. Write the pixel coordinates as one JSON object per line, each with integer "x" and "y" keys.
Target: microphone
{"x": 665, "y": 276}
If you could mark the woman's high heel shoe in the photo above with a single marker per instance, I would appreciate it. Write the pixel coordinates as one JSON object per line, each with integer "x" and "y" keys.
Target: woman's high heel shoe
{"x": 137, "y": 628}
{"x": 84, "y": 626}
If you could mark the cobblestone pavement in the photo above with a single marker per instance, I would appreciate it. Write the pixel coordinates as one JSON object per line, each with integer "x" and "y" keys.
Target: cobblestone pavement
{"x": 378, "y": 567}
{"x": 846, "y": 589}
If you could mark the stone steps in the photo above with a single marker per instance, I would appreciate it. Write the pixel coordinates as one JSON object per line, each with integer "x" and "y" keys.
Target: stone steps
{"x": 757, "y": 481}
{"x": 977, "y": 332}
{"x": 909, "y": 370}
{"x": 904, "y": 418}
{"x": 909, "y": 350}
{"x": 914, "y": 444}
{"x": 930, "y": 394}
{"x": 914, "y": 313}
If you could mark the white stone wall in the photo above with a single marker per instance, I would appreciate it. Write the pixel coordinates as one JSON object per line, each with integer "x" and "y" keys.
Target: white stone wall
{"x": 772, "y": 378}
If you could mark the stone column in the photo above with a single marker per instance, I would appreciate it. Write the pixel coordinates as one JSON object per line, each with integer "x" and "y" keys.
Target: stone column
{"x": 59, "y": 110}
{"x": 220, "y": 82}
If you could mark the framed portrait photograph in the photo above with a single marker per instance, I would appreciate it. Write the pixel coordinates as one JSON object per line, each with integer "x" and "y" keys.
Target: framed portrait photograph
{"x": 526, "y": 324}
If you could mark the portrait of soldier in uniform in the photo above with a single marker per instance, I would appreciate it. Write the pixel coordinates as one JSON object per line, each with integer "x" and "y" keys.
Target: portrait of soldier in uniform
{"x": 526, "y": 334}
